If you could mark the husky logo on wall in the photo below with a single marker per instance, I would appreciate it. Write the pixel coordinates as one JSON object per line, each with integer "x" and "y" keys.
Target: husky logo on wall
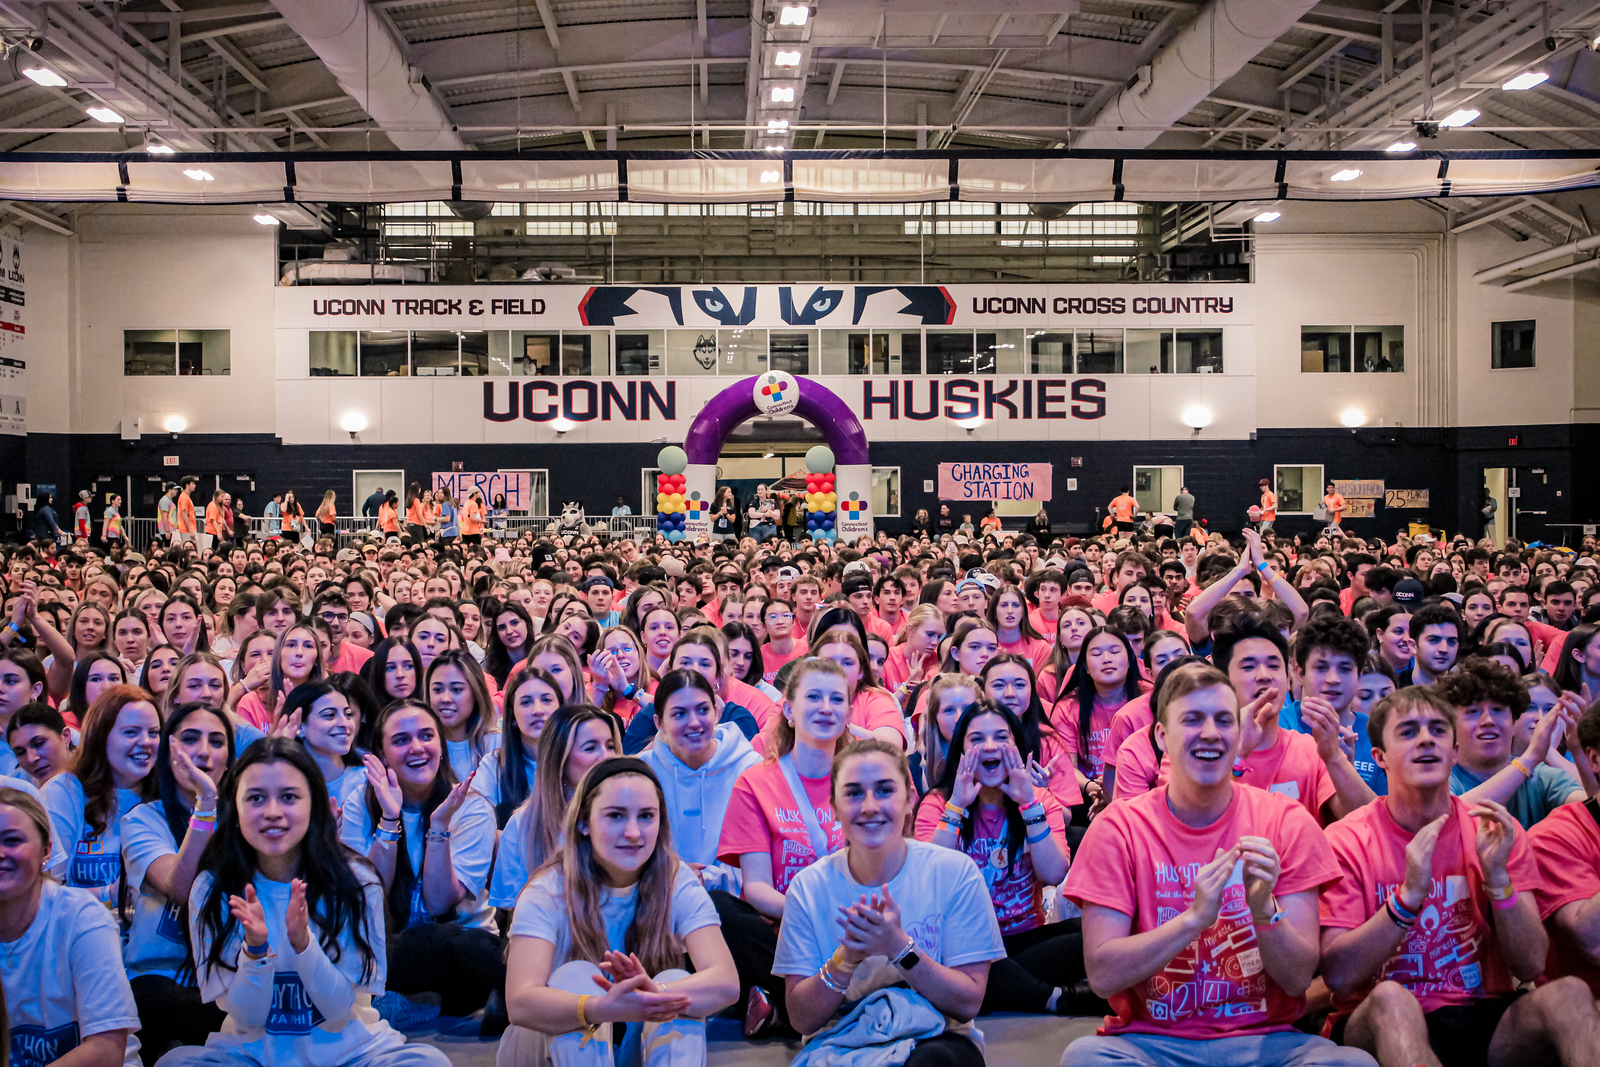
{"x": 705, "y": 351}
{"x": 929, "y": 303}
{"x": 603, "y": 305}
{"x": 816, "y": 306}
{"x": 715, "y": 302}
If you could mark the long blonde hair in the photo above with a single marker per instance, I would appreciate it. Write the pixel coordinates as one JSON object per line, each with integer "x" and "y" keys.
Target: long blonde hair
{"x": 934, "y": 746}
{"x": 649, "y": 935}
{"x": 783, "y": 731}
{"x": 548, "y": 797}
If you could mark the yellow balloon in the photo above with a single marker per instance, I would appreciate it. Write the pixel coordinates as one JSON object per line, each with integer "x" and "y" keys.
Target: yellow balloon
{"x": 662, "y": 499}
{"x": 677, "y": 500}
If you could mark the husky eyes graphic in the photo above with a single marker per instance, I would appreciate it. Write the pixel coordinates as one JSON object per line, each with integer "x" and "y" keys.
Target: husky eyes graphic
{"x": 715, "y": 302}
{"x": 815, "y": 308}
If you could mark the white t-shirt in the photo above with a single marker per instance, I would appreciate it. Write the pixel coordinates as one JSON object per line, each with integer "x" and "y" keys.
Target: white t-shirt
{"x": 64, "y": 980}
{"x": 301, "y": 1009}
{"x": 471, "y": 849}
{"x": 95, "y": 860}
{"x": 486, "y": 779}
{"x": 542, "y": 912}
{"x": 944, "y": 907}
{"x": 464, "y": 760}
{"x": 9, "y": 767}
{"x": 157, "y": 942}
{"x": 352, "y": 780}
{"x": 511, "y": 866}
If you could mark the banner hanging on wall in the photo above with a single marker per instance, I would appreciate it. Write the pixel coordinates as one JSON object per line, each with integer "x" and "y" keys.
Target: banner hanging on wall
{"x": 13, "y": 341}
{"x": 515, "y": 485}
{"x": 995, "y": 481}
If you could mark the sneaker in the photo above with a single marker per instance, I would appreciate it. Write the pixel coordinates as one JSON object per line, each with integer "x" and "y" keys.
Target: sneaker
{"x": 495, "y": 1020}
{"x": 403, "y": 1012}
{"x": 1079, "y": 999}
{"x": 759, "y": 1013}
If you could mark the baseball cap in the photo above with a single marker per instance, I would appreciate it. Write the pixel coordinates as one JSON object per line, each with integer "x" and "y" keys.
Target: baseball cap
{"x": 594, "y": 580}
{"x": 1265, "y": 482}
{"x": 787, "y": 574}
{"x": 1408, "y": 591}
{"x": 673, "y": 566}
{"x": 984, "y": 578}
{"x": 1080, "y": 575}
{"x": 858, "y": 567}
{"x": 856, "y": 583}
{"x": 347, "y": 555}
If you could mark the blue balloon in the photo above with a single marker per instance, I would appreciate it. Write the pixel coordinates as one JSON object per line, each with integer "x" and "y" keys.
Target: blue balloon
{"x": 818, "y": 535}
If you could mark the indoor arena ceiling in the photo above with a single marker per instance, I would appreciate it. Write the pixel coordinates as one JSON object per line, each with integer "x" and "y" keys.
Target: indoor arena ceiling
{"x": 660, "y": 75}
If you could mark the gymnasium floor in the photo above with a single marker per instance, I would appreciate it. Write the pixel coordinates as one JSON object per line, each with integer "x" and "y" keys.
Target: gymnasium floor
{"x": 1033, "y": 1040}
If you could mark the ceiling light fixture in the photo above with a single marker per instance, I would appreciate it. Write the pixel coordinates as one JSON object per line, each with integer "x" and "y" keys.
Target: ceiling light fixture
{"x": 774, "y": 148}
{"x": 103, "y": 114}
{"x": 770, "y": 176}
{"x": 793, "y": 15}
{"x": 561, "y": 425}
{"x": 1348, "y": 175}
{"x": 1402, "y": 146}
{"x": 777, "y": 125}
{"x": 199, "y": 175}
{"x": 159, "y": 149}
{"x": 786, "y": 59}
{"x": 352, "y": 423}
{"x": 1269, "y": 216}
{"x": 266, "y": 219}
{"x": 44, "y": 76}
{"x": 782, "y": 95}
{"x": 1526, "y": 80}
{"x": 1460, "y": 117}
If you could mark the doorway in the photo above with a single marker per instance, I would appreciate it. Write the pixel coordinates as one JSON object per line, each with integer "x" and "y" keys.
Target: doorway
{"x": 1503, "y": 523}
{"x": 364, "y": 483}
{"x": 1155, "y": 488}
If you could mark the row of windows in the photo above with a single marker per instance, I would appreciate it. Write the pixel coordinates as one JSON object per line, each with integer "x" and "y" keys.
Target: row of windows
{"x": 744, "y": 351}
{"x": 435, "y": 209}
{"x": 181, "y": 352}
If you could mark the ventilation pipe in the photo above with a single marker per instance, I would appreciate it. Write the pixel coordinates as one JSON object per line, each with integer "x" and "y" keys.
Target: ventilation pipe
{"x": 1576, "y": 248}
{"x": 1225, "y": 36}
{"x": 362, "y": 52}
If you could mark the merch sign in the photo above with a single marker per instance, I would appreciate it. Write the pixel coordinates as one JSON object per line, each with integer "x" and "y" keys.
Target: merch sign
{"x": 515, "y": 486}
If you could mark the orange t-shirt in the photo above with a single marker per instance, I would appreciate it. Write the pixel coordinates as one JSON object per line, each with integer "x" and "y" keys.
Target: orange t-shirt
{"x": 1269, "y": 505}
{"x": 471, "y": 519}
{"x": 1334, "y": 503}
{"x": 1123, "y": 507}
{"x": 415, "y": 514}
{"x": 185, "y": 513}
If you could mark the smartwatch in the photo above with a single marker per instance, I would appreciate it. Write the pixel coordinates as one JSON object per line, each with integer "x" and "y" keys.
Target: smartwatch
{"x": 908, "y": 958}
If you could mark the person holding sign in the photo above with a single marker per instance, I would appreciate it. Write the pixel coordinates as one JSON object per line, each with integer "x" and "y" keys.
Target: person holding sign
{"x": 288, "y": 928}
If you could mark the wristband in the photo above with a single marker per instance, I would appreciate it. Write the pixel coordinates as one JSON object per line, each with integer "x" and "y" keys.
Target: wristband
{"x": 1498, "y": 895}
{"x": 827, "y": 979}
{"x": 1507, "y": 903}
{"x": 257, "y": 953}
{"x": 1036, "y": 840}
{"x": 1394, "y": 916}
{"x": 1516, "y": 762}
{"x": 627, "y": 694}
{"x": 203, "y": 825}
{"x": 388, "y": 835}
{"x": 1400, "y": 909}
{"x": 955, "y": 809}
{"x": 583, "y": 1020}
{"x": 14, "y": 628}
{"x": 1262, "y": 567}
{"x": 1033, "y": 813}
{"x": 437, "y": 835}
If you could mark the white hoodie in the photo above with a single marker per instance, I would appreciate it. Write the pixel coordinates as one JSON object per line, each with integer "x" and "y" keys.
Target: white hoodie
{"x": 697, "y": 800}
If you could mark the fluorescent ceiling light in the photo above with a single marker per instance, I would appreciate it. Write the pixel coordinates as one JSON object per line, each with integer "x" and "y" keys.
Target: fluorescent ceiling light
{"x": 1526, "y": 80}
{"x": 103, "y": 114}
{"x": 793, "y": 15}
{"x": 44, "y": 76}
{"x": 199, "y": 175}
{"x": 267, "y": 220}
{"x": 770, "y": 176}
{"x": 1348, "y": 175}
{"x": 774, "y": 148}
{"x": 1402, "y": 146}
{"x": 787, "y": 59}
{"x": 1460, "y": 117}
{"x": 783, "y": 96}
{"x": 777, "y": 125}
{"x": 1269, "y": 216}
{"x": 159, "y": 149}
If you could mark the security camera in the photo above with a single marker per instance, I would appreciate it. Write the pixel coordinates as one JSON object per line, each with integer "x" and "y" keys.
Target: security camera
{"x": 1427, "y": 128}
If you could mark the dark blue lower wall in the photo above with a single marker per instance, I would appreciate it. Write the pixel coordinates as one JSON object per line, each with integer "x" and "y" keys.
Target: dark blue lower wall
{"x": 1221, "y": 474}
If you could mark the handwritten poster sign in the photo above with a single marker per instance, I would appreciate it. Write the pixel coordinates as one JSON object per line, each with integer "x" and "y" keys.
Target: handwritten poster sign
{"x": 1405, "y": 498}
{"x": 515, "y": 485}
{"x": 1362, "y": 508}
{"x": 1358, "y": 487}
{"x": 995, "y": 481}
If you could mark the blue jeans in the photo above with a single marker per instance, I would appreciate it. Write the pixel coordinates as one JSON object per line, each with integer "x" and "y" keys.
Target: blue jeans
{"x": 762, "y": 531}
{"x": 1287, "y": 1048}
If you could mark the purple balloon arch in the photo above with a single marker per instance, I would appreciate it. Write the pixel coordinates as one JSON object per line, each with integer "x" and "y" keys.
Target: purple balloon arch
{"x": 736, "y": 404}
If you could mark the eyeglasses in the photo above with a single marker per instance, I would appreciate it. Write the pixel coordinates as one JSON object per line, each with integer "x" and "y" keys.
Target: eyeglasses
{"x": 614, "y": 649}
{"x": 780, "y": 616}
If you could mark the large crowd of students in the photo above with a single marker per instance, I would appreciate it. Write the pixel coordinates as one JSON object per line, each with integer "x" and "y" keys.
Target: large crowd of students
{"x": 1320, "y": 800}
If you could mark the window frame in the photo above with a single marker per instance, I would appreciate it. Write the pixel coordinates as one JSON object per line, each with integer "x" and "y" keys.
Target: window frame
{"x": 1321, "y": 481}
{"x": 899, "y": 503}
{"x": 1494, "y": 344}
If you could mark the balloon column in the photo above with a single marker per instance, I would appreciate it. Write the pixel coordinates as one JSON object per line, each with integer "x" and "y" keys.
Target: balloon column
{"x": 821, "y": 500}
{"x": 672, "y": 510}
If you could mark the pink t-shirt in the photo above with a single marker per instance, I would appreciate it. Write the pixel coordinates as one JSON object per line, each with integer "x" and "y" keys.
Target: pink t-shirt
{"x": 1031, "y": 649}
{"x": 772, "y": 661}
{"x": 1290, "y": 766}
{"x": 1064, "y": 717}
{"x": 1138, "y": 859}
{"x": 1451, "y": 956}
{"x": 1048, "y": 684}
{"x": 753, "y": 700}
{"x": 873, "y": 708}
{"x": 762, "y": 817}
{"x": 350, "y": 658}
{"x": 253, "y": 710}
{"x": 1042, "y": 625}
{"x": 1566, "y": 846}
{"x": 1017, "y": 893}
{"x": 1132, "y": 717}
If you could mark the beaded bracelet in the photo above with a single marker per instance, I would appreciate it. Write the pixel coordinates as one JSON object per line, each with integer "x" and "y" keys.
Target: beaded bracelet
{"x": 438, "y": 835}
{"x": 826, "y": 979}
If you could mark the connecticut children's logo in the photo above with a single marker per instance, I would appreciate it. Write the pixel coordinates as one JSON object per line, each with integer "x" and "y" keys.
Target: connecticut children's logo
{"x": 776, "y": 393}
{"x": 696, "y": 506}
{"x": 854, "y": 508}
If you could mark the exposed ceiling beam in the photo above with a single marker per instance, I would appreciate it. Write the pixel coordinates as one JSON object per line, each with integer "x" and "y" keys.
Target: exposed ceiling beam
{"x": 237, "y": 59}
{"x": 39, "y": 217}
{"x": 1056, "y": 27}
{"x": 1310, "y": 61}
{"x": 572, "y": 90}
{"x": 548, "y": 17}
{"x": 838, "y": 76}
{"x": 999, "y": 24}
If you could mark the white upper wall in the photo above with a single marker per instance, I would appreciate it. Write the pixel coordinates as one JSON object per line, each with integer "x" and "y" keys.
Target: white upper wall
{"x": 142, "y": 267}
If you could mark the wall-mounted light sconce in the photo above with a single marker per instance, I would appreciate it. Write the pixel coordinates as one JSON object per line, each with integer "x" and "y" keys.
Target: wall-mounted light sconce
{"x": 352, "y": 423}
{"x": 175, "y": 424}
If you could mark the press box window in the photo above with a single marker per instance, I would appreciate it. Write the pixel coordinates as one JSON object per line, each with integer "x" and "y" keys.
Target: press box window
{"x": 175, "y": 352}
{"x": 1352, "y": 349}
{"x": 1512, "y": 344}
{"x": 1299, "y": 489}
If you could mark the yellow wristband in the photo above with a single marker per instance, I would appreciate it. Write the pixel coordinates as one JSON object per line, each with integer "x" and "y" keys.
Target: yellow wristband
{"x": 582, "y": 1020}
{"x": 1523, "y": 767}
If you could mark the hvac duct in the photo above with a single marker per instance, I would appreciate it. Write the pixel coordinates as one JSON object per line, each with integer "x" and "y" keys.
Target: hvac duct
{"x": 1588, "y": 244}
{"x": 366, "y": 57}
{"x": 1225, "y": 36}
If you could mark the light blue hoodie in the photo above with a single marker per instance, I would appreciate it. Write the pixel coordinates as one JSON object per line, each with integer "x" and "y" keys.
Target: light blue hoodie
{"x": 697, "y": 800}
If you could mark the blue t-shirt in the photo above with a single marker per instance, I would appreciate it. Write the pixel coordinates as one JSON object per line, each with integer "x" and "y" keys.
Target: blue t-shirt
{"x": 448, "y": 525}
{"x": 1378, "y": 781}
{"x": 1546, "y": 791}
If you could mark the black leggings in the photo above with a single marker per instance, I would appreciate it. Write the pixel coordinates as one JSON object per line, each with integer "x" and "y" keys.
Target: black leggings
{"x": 460, "y": 963}
{"x": 1037, "y": 961}
{"x": 946, "y": 1050}
{"x": 753, "y": 942}
{"x": 171, "y": 1014}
